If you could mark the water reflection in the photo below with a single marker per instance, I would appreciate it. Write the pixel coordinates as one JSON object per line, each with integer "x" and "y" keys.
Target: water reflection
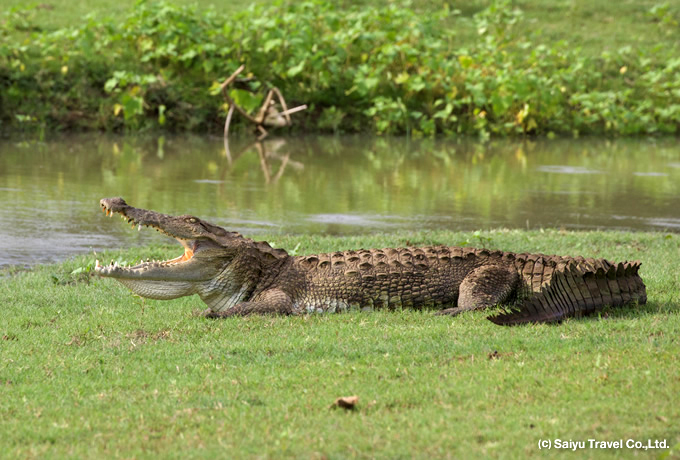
{"x": 268, "y": 152}
{"x": 49, "y": 191}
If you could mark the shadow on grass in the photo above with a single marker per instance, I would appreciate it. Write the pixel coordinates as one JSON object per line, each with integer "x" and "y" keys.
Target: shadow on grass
{"x": 638, "y": 311}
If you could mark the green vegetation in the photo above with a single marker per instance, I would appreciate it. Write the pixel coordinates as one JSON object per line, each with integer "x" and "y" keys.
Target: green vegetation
{"x": 87, "y": 370}
{"x": 422, "y": 69}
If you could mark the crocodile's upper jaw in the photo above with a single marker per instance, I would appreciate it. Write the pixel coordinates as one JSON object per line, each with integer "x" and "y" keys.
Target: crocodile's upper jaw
{"x": 169, "y": 278}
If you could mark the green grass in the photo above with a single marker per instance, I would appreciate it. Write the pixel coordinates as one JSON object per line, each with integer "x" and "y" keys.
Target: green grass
{"x": 88, "y": 370}
{"x": 54, "y": 15}
{"x": 594, "y": 25}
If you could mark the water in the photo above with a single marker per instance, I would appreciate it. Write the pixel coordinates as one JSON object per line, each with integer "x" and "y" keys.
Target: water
{"x": 49, "y": 192}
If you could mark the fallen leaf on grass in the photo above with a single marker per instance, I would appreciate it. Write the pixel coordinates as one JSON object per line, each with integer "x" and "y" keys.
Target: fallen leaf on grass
{"x": 346, "y": 402}
{"x": 496, "y": 355}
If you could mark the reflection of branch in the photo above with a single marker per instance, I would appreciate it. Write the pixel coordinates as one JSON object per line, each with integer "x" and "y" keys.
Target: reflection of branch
{"x": 227, "y": 152}
{"x": 263, "y": 161}
{"x": 284, "y": 162}
{"x": 263, "y": 131}
{"x": 231, "y": 159}
{"x": 228, "y": 122}
{"x": 268, "y": 115}
{"x": 272, "y": 148}
{"x": 267, "y": 151}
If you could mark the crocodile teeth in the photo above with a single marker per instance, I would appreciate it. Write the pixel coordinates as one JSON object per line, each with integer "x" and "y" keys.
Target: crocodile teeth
{"x": 139, "y": 227}
{"x": 96, "y": 263}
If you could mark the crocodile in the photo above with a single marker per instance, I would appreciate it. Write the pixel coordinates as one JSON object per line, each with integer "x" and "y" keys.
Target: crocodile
{"x": 236, "y": 276}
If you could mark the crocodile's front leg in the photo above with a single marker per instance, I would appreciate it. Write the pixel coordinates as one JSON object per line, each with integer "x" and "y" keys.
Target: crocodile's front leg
{"x": 485, "y": 287}
{"x": 272, "y": 302}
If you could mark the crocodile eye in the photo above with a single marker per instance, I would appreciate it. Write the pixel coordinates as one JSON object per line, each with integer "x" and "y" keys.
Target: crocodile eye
{"x": 192, "y": 220}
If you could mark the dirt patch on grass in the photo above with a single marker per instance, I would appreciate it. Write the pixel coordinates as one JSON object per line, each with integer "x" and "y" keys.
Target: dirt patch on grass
{"x": 141, "y": 336}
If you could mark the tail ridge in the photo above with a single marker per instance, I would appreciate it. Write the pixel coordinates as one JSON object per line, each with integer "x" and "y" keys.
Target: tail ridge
{"x": 578, "y": 288}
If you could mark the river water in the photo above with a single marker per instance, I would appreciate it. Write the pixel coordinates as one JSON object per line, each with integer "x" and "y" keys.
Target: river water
{"x": 49, "y": 191}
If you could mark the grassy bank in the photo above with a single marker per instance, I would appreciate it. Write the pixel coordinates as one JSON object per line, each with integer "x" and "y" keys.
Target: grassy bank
{"x": 593, "y": 26}
{"x": 422, "y": 68}
{"x": 88, "y": 370}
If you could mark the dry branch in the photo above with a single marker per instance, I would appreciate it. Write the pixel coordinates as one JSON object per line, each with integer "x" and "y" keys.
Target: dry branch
{"x": 267, "y": 115}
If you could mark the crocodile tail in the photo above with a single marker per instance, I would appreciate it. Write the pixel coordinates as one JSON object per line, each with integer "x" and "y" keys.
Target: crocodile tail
{"x": 581, "y": 287}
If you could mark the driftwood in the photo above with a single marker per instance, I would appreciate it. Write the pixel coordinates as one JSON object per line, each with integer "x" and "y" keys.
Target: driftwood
{"x": 268, "y": 115}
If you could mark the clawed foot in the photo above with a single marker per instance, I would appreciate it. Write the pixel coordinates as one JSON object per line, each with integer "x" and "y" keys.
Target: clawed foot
{"x": 215, "y": 314}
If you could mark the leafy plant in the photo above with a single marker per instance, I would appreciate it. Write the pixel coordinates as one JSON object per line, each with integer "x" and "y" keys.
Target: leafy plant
{"x": 385, "y": 69}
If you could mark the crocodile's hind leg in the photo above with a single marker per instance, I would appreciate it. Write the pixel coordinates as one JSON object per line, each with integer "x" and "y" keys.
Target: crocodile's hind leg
{"x": 272, "y": 302}
{"x": 485, "y": 287}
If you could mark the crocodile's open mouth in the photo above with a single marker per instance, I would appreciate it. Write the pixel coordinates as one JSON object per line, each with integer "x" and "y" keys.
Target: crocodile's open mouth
{"x": 191, "y": 246}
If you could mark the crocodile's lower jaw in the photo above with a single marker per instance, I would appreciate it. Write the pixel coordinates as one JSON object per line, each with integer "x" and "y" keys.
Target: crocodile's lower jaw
{"x": 138, "y": 271}
{"x": 143, "y": 268}
{"x": 161, "y": 290}
{"x": 152, "y": 279}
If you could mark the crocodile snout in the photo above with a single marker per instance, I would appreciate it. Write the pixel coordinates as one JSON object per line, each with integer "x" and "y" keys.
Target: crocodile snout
{"x": 111, "y": 205}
